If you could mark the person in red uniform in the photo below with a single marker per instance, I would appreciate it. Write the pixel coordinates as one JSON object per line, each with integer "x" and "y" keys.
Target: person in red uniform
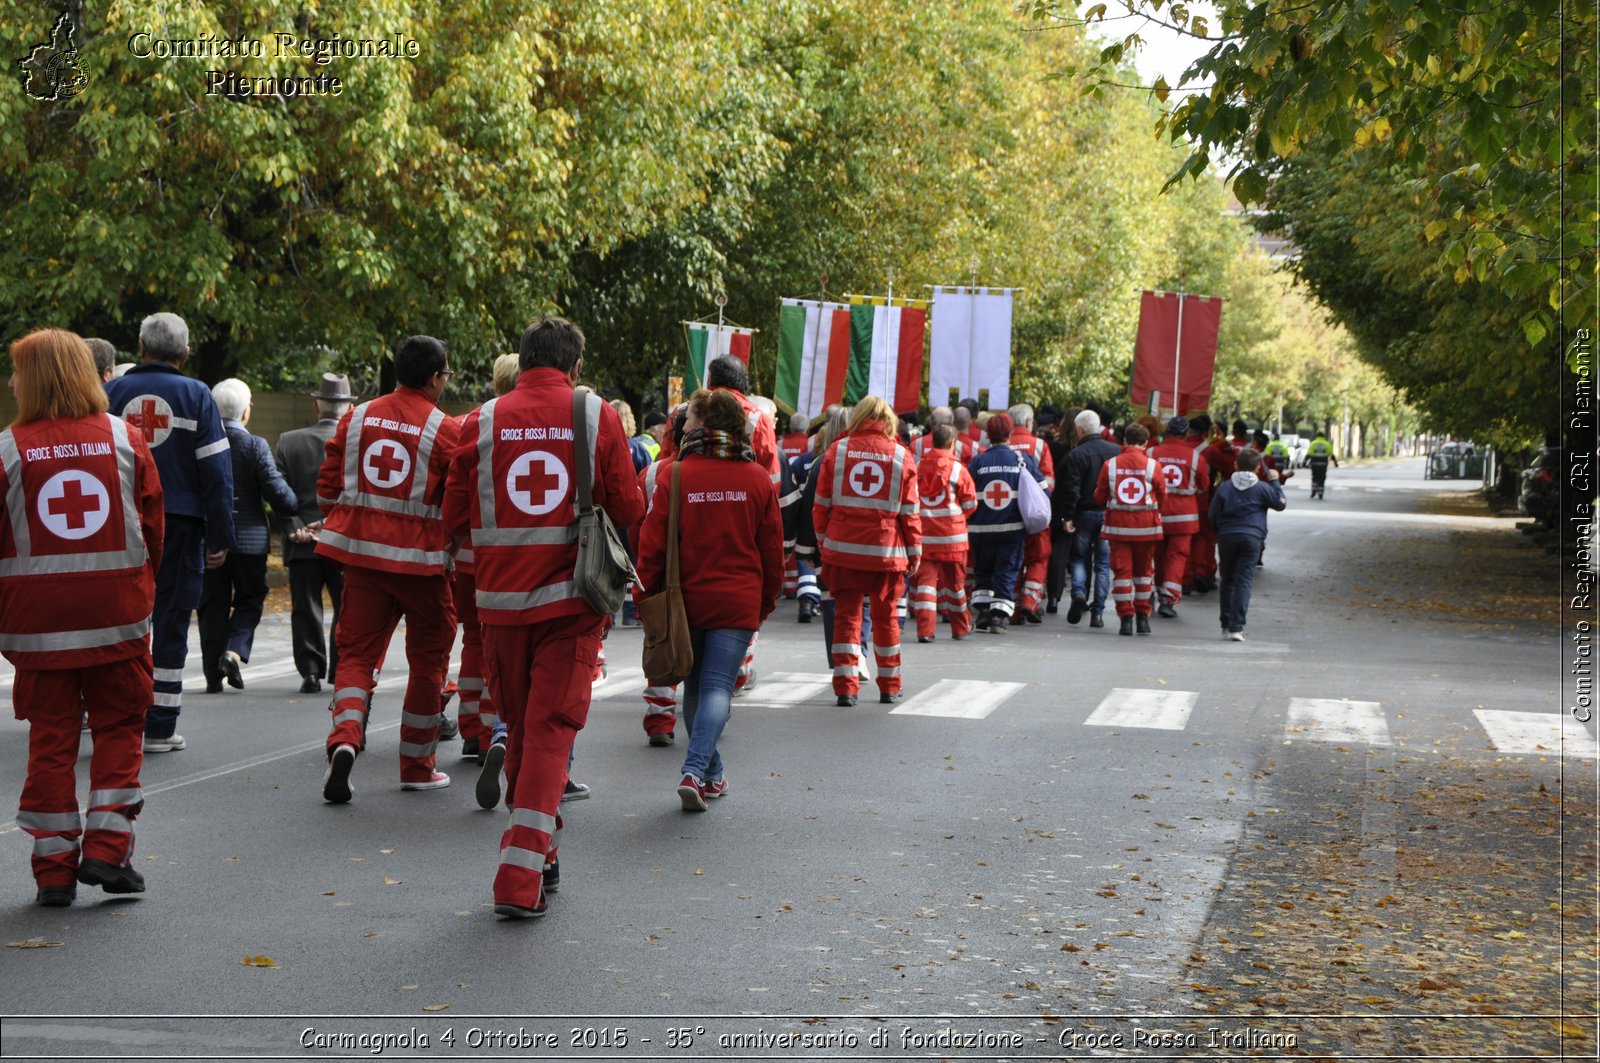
{"x": 728, "y": 509}
{"x": 512, "y": 490}
{"x": 380, "y": 488}
{"x": 1131, "y": 489}
{"x": 80, "y": 540}
{"x": 869, "y": 535}
{"x": 946, "y": 495}
{"x": 660, "y": 702}
{"x": 797, "y": 440}
{"x": 1183, "y": 472}
{"x": 1200, "y": 574}
{"x": 1036, "y": 551}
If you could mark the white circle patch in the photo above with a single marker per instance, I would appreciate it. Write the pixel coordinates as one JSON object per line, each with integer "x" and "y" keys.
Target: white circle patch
{"x": 867, "y": 479}
{"x": 1173, "y": 475}
{"x": 1130, "y": 490}
{"x": 536, "y": 483}
{"x": 151, "y": 415}
{"x": 936, "y": 501}
{"x": 74, "y": 505}
{"x": 386, "y": 464}
{"x": 998, "y": 494}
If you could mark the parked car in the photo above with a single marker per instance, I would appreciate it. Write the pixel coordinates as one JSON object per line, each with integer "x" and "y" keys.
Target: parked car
{"x": 1541, "y": 486}
{"x": 1454, "y": 461}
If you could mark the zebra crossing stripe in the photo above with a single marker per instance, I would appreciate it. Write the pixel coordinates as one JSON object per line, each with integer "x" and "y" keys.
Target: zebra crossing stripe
{"x": 1538, "y": 733}
{"x": 1338, "y": 720}
{"x": 788, "y": 688}
{"x": 966, "y": 699}
{"x": 1161, "y": 710}
{"x": 618, "y": 681}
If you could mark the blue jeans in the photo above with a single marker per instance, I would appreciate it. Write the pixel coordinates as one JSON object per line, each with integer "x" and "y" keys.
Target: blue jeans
{"x": 1236, "y": 573}
{"x": 707, "y": 692}
{"x": 1084, "y": 541}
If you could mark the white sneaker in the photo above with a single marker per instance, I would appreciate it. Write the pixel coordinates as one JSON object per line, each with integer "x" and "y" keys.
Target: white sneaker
{"x": 164, "y": 745}
{"x": 336, "y": 788}
{"x": 439, "y": 781}
{"x": 1236, "y": 636}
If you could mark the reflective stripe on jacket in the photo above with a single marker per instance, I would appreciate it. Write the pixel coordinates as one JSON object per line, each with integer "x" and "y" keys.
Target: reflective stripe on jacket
{"x": 865, "y": 513}
{"x": 946, "y": 497}
{"x": 1132, "y": 494}
{"x": 1183, "y": 472}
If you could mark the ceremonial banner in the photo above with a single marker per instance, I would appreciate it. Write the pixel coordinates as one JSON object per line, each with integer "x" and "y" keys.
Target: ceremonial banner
{"x": 970, "y": 351}
{"x": 1179, "y": 366}
{"x": 708, "y": 340}
{"x": 813, "y": 355}
{"x": 886, "y": 351}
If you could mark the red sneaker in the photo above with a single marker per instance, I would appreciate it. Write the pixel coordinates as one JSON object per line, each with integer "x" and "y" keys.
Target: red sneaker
{"x": 692, "y": 793}
{"x": 715, "y": 789}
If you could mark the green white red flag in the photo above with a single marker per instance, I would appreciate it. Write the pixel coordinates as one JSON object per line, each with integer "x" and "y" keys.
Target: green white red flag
{"x": 886, "y": 351}
{"x": 813, "y": 355}
{"x": 708, "y": 340}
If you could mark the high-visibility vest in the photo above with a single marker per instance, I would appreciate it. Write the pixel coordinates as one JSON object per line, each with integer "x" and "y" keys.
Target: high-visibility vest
{"x": 866, "y": 511}
{"x": 1180, "y": 465}
{"x": 1319, "y": 448}
{"x": 946, "y": 496}
{"x": 1277, "y": 450}
{"x": 76, "y": 586}
{"x": 1133, "y": 496}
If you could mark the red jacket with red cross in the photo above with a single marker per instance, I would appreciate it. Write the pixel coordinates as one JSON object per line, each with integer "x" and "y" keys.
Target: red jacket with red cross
{"x": 513, "y": 489}
{"x": 762, "y": 434}
{"x": 1025, "y": 442}
{"x": 946, "y": 496}
{"x": 80, "y": 542}
{"x": 381, "y": 485}
{"x": 1185, "y": 474}
{"x": 866, "y": 511}
{"x": 1132, "y": 490}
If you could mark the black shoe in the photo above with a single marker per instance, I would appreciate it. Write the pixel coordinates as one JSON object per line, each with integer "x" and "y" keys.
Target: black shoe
{"x": 449, "y": 730}
{"x": 1097, "y": 620}
{"x": 471, "y": 748}
{"x": 662, "y": 739}
{"x": 1018, "y": 618}
{"x": 845, "y": 701}
{"x": 1032, "y": 616}
{"x": 109, "y": 877}
{"x": 488, "y": 788}
{"x": 998, "y": 624}
{"x": 1141, "y": 624}
{"x": 924, "y": 639}
{"x": 808, "y": 610}
{"x": 575, "y": 791}
{"x": 310, "y": 685}
{"x": 1053, "y": 606}
{"x": 980, "y": 618}
{"x": 213, "y": 686}
{"x": 56, "y": 896}
{"x": 336, "y": 788}
{"x": 1127, "y": 627}
{"x": 1076, "y": 610}
{"x": 552, "y": 877}
{"x": 886, "y": 698}
{"x": 513, "y": 911}
{"x": 1167, "y": 610}
{"x": 229, "y": 663}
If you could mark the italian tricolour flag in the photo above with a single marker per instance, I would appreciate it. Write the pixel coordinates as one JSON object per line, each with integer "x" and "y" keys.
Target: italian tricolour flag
{"x": 886, "y": 342}
{"x": 813, "y": 355}
{"x": 708, "y": 340}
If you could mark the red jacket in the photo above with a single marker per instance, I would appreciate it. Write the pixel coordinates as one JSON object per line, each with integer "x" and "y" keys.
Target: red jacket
{"x": 381, "y": 483}
{"x": 946, "y": 495}
{"x": 80, "y": 542}
{"x": 965, "y": 449}
{"x": 512, "y": 489}
{"x": 794, "y": 445}
{"x": 1025, "y": 442}
{"x": 1132, "y": 491}
{"x": 730, "y": 542}
{"x": 1185, "y": 474}
{"x": 763, "y": 435}
{"x": 866, "y": 505}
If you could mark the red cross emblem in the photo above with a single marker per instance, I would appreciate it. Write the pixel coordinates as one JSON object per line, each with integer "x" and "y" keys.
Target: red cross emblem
{"x": 1172, "y": 474}
{"x": 998, "y": 494}
{"x": 934, "y": 501}
{"x": 1130, "y": 489}
{"x": 74, "y": 505}
{"x": 536, "y": 483}
{"x": 867, "y": 479}
{"x": 386, "y": 464}
{"x": 151, "y": 415}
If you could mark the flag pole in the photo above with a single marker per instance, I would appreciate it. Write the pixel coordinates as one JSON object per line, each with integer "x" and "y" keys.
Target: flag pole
{"x": 972, "y": 329}
{"x": 1177, "y": 354}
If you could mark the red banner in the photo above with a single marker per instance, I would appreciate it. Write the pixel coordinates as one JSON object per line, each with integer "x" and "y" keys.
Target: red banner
{"x": 1157, "y": 352}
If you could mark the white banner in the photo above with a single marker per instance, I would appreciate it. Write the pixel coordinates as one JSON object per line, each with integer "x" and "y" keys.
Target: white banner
{"x": 971, "y": 345}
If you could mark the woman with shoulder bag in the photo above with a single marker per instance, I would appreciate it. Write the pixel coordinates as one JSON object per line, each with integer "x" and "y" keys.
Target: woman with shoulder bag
{"x": 730, "y": 561}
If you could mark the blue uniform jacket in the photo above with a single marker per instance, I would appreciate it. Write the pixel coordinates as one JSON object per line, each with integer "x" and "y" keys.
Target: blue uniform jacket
{"x": 256, "y": 481}
{"x": 997, "y": 472}
{"x": 180, "y": 422}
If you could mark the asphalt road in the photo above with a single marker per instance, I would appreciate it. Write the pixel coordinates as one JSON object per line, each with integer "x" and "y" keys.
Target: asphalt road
{"x": 1057, "y": 823}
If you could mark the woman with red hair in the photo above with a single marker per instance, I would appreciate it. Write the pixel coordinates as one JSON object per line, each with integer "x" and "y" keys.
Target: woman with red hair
{"x": 80, "y": 538}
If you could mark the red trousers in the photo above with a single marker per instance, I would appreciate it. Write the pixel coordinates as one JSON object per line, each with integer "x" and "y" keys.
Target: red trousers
{"x": 1172, "y": 562}
{"x": 372, "y": 606}
{"x": 660, "y": 710}
{"x": 1133, "y": 575}
{"x": 1202, "y": 552}
{"x": 1035, "y": 570}
{"x": 476, "y": 716}
{"x": 941, "y": 587}
{"x": 117, "y": 695}
{"x": 849, "y": 586}
{"x": 542, "y": 675}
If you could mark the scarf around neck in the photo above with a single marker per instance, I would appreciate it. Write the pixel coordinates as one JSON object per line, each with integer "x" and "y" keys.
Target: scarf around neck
{"x": 715, "y": 444}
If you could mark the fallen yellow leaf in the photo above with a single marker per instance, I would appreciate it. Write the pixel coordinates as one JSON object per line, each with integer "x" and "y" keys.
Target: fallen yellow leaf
{"x": 258, "y": 961}
{"x": 435, "y": 1007}
{"x": 33, "y": 943}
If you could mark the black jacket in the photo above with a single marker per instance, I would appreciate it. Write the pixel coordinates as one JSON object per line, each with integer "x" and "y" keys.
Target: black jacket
{"x": 256, "y": 482}
{"x": 1075, "y": 483}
